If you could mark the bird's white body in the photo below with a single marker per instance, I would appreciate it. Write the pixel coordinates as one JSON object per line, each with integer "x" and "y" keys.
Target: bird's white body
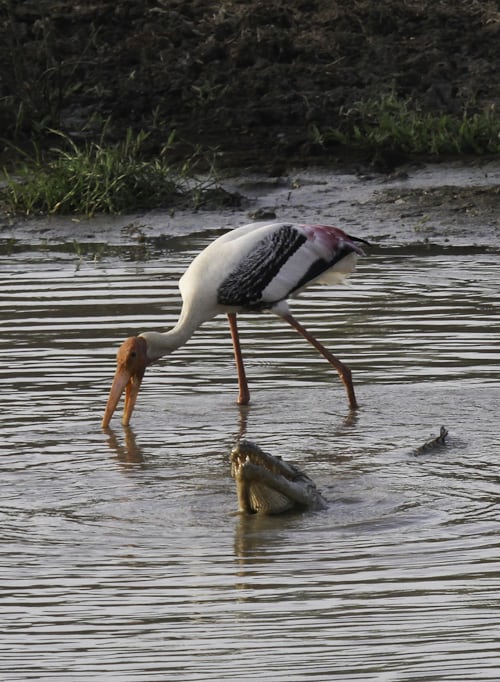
{"x": 242, "y": 253}
{"x": 208, "y": 271}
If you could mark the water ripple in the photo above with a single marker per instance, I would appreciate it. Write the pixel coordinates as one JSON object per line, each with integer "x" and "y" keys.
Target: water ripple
{"x": 121, "y": 555}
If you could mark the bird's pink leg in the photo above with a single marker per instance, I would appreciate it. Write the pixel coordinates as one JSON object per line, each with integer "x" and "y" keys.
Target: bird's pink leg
{"x": 343, "y": 371}
{"x": 244, "y": 393}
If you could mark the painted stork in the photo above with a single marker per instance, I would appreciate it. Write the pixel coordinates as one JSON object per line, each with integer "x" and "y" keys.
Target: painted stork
{"x": 251, "y": 268}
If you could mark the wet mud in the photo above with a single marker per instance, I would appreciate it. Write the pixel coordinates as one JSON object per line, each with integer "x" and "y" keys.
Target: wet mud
{"x": 455, "y": 204}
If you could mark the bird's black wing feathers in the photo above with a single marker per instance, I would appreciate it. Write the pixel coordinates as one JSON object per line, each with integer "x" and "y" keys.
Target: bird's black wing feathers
{"x": 245, "y": 284}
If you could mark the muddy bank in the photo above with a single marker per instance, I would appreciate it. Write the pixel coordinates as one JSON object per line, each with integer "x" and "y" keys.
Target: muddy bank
{"x": 453, "y": 205}
{"x": 251, "y": 79}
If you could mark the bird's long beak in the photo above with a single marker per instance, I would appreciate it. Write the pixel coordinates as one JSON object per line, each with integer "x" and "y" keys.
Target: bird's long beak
{"x": 132, "y": 362}
{"x": 123, "y": 381}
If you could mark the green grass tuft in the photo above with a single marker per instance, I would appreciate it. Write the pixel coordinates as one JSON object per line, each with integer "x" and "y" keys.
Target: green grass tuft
{"x": 391, "y": 124}
{"x": 100, "y": 178}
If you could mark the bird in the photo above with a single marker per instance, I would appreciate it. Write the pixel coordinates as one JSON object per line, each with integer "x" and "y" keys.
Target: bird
{"x": 252, "y": 268}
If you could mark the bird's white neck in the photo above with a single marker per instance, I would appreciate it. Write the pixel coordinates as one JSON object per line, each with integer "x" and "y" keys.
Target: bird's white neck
{"x": 164, "y": 343}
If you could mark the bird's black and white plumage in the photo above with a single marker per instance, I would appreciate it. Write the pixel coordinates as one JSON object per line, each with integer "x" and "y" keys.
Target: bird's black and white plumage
{"x": 259, "y": 266}
{"x": 251, "y": 268}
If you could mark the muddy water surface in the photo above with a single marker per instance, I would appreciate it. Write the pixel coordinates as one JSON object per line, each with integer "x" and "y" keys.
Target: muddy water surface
{"x": 122, "y": 557}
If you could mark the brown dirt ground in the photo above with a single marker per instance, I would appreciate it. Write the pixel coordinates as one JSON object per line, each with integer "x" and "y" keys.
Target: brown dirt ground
{"x": 249, "y": 78}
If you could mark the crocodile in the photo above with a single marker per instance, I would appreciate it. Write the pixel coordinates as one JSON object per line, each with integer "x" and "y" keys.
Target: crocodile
{"x": 269, "y": 485}
{"x": 433, "y": 443}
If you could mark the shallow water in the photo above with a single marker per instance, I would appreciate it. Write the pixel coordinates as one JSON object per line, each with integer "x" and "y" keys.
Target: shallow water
{"x": 122, "y": 555}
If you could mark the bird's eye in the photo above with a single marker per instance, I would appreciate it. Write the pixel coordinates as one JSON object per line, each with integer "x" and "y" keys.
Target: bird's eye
{"x": 133, "y": 354}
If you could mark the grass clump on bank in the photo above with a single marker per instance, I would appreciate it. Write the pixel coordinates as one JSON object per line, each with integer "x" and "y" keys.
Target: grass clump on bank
{"x": 101, "y": 178}
{"x": 394, "y": 125}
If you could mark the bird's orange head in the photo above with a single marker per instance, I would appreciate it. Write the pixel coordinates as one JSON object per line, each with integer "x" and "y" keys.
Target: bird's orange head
{"x": 131, "y": 360}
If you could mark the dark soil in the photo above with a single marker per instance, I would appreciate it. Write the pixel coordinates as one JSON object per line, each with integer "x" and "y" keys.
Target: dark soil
{"x": 250, "y": 78}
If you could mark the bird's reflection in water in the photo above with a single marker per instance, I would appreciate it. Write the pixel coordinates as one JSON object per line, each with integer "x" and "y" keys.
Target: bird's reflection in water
{"x": 244, "y": 411}
{"x": 350, "y": 420}
{"x": 127, "y": 451}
